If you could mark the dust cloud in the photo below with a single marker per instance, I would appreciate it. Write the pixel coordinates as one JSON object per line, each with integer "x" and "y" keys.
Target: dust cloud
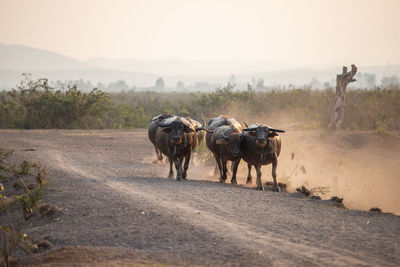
{"x": 361, "y": 167}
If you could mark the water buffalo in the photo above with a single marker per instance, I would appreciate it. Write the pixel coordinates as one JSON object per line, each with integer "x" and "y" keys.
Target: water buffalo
{"x": 176, "y": 137}
{"x": 224, "y": 143}
{"x": 153, "y": 127}
{"x": 261, "y": 145}
{"x": 220, "y": 121}
{"x": 215, "y": 123}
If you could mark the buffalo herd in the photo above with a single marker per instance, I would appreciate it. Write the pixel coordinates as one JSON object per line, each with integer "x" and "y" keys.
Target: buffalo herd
{"x": 176, "y": 137}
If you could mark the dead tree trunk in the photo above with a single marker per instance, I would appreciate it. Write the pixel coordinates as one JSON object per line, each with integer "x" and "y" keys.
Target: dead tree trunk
{"x": 342, "y": 80}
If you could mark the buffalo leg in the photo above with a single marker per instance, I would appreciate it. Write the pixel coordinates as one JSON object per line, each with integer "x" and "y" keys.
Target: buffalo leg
{"x": 186, "y": 166}
{"x": 224, "y": 170}
{"x": 217, "y": 168}
{"x": 219, "y": 164}
{"x": 235, "y": 165}
{"x": 158, "y": 153}
{"x": 178, "y": 166}
{"x": 274, "y": 165}
{"x": 259, "y": 184}
{"x": 171, "y": 172}
{"x": 249, "y": 174}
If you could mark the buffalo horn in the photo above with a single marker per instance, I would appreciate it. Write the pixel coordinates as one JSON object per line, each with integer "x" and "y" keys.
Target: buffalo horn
{"x": 163, "y": 123}
{"x": 276, "y": 130}
{"x": 203, "y": 124}
{"x": 249, "y": 129}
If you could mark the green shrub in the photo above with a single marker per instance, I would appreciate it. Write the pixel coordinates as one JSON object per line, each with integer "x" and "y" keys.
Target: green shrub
{"x": 34, "y": 104}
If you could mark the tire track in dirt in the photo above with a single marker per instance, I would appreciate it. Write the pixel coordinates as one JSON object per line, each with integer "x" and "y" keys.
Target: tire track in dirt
{"x": 285, "y": 229}
{"x": 239, "y": 233}
{"x": 176, "y": 201}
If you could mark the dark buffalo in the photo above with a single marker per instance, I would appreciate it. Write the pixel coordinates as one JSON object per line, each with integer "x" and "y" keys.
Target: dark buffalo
{"x": 176, "y": 138}
{"x": 261, "y": 145}
{"x": 224, "y": 143}
{"x": 153, "y": 127}
{"x": 216, "y": 122}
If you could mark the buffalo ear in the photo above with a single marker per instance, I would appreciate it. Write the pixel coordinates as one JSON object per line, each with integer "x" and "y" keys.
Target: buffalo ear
{"x": 166, "y": 130}
{"x": 221, "y": 142}
{"x": 272, "y": 134}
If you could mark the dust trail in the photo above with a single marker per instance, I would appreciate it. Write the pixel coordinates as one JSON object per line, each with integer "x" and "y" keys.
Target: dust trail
{"x": 360, "y": 167}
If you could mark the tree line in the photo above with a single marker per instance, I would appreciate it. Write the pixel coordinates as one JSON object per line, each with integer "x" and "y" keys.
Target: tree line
{"x": 34, "y": 104}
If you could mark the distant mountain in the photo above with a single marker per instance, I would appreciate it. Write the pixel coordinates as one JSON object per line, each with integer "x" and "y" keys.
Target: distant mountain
{"x": 16, "y": 59}
{"x": 24, "y": 58}
{"x": 172, "y": 66}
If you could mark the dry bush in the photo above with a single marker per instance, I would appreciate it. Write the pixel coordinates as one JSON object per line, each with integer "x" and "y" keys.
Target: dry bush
{"x": 14, "y": 178}
{"x": 376, "y": 209}
{"x": 34, "y": 104}
{"x": 338, "y": 202}
{"x": 313, "y": 192}
{"x": 47, "y": 210}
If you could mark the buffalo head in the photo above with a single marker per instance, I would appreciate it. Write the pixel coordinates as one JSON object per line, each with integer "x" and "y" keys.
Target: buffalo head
{"x": 232, "y": 142}
{"x": 176, "y": 126}
{"x": 262, "y": 132}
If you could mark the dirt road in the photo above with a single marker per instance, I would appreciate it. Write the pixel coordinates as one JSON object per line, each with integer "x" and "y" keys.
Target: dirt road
{"x": 112, "y": 195}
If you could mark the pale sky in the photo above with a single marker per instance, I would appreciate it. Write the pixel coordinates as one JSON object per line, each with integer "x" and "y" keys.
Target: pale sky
{"x": 299, "y": 32}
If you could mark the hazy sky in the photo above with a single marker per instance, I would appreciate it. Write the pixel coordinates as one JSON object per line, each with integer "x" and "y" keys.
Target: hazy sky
{"x": 298, "y": 32}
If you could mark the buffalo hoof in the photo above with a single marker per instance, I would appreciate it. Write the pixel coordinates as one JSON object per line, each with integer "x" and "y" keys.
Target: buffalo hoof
{"x": 260, "y": 187}
{"x": 233, "y": 182}
{"x": 171, "y": 175}
{"x": 222, "y": 179}
{"x": 276, "y": 189}
{"x": 248, "y": 181}
{"x": 178, "y": 178}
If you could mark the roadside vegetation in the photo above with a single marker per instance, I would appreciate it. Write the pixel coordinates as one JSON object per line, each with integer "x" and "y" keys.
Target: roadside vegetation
{"x": 22, "y": 186}
{"x": 33, "y": 104}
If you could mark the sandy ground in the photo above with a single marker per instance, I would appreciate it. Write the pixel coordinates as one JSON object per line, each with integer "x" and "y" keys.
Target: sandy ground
{"x": 121, "y": 210}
